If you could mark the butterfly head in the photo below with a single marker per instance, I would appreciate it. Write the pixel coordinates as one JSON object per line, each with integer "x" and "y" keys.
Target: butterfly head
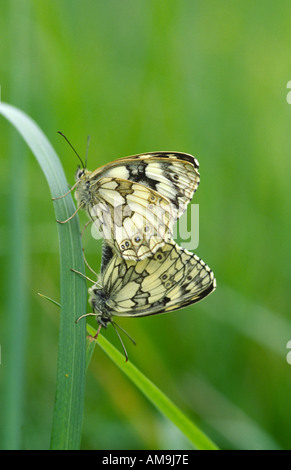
{"x": 83, "y": 187}
{"x": 79, "y": 173}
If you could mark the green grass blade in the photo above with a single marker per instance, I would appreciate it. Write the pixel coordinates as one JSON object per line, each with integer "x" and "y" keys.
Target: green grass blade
{"x": 90, "y": 346}
{"x": 16, "y": 306}
{"x": 17, "y": 246}
{"x": 69, "y": 400}
{"x": 68, "y": 411}
{"x": 154, "y": 395}
{"x": 50, "y": 300}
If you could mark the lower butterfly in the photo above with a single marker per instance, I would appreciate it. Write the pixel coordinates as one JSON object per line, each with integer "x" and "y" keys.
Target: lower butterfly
{"x": 172, "y": 279}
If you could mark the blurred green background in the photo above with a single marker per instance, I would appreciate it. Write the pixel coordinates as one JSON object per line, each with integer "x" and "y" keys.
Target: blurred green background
{"x": 207, "y": 78}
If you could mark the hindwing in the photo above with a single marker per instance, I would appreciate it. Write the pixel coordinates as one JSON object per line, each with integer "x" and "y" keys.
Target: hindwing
{"x": 132, "y": 218}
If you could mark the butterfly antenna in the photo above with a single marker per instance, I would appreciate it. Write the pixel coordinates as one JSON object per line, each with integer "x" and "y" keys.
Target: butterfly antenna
{"x": 87, "y": 150}
{"x": 122, "y": 344}
{"x": 125, "y": 332}
{"x": 83, "y": 166}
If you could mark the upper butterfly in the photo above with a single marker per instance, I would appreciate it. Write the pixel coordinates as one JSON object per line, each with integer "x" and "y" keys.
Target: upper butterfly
{"x": 135, "y": 201}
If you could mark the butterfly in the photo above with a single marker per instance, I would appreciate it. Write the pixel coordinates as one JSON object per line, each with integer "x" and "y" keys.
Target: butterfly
{"x": 135, "y": 201}
{"x": 170, "y": 280}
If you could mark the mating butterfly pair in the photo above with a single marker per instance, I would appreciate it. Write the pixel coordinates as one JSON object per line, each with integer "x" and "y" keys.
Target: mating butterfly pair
{"x": 134, "y": 202}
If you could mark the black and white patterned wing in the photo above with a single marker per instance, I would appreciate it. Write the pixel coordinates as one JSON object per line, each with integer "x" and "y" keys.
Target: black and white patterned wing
{"x": 173, "y": 175}
{"x": 132, "y": 218}
{"x": 173, "y": 278}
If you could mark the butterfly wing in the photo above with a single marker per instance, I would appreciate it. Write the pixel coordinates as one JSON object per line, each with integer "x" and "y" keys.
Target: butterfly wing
{"x": 144, "y": 212}
{"x": 174, "y": 175}
{"x": 135, "y": 220}
{"x": 173, "y": 278}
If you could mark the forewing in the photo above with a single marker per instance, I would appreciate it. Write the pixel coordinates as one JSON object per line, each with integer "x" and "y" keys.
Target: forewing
{"x": 173, "y": 175}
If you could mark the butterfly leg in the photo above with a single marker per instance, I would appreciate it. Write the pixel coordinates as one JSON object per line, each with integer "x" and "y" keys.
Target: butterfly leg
{"x": 92, "y": 338}
{"x": 85, "y": 315}
{"x": 98, "y": 331}
{"x": 85, "y": 226}
{"x": 66, "y": 194}
{"x": 83, "y": 275}
{"x": 84, "y": 257}
{"x": 88, "y": 265}
{"x": 71, "y": 217}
